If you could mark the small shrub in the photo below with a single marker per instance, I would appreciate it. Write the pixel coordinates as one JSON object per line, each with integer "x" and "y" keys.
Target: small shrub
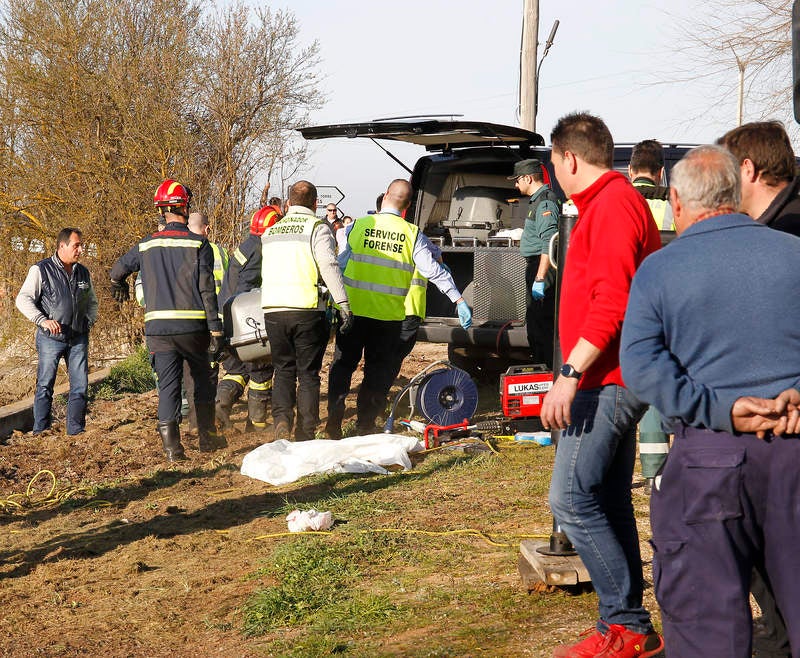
{"x": 312, "y": 576}
{"x": 133, "y": 375}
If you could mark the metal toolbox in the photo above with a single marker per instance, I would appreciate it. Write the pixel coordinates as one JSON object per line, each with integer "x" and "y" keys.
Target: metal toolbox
{"x": 243, "y": 319}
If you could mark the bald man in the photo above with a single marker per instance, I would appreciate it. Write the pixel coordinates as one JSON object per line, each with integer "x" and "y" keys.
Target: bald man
{"x": 381, "y": 261}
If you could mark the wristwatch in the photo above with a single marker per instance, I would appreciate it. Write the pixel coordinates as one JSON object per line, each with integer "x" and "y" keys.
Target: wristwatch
{"x": 568, "y": 371}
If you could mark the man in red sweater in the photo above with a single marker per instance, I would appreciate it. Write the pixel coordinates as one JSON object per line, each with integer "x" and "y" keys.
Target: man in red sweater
{"x": 590, "y": 492}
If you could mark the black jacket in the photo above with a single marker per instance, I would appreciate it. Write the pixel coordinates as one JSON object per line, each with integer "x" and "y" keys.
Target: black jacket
{"x": 244, "y": 269}
{"x": 177, "y": 270}
{"x": 783, "y": 214}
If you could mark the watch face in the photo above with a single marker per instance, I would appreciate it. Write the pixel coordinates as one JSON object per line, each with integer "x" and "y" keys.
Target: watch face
{"x": 568, "y": 371}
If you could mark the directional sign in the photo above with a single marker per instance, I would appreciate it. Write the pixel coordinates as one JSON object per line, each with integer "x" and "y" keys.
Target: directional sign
{"x": 329, "y": 194}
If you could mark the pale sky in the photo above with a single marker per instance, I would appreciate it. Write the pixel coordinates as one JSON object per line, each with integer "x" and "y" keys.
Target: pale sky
{"x": 385, "y": 59}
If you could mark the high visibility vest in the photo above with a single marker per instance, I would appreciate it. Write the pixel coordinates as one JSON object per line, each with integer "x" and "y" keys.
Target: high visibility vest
{"x": 417, "y": 295}
{"x": 657, "y": 198}
{"x": 378, "y": 273}
{"x": 220, "y": 265}
{"x": 289, "y": 273}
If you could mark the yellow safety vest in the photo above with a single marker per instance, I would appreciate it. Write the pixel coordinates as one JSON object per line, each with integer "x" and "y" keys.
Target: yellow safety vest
{"x": 417, "y": 295}
{"x": 660, "y": 208}
{"x": 220, "y": 265}
{"x": 378, "y": 273}
{"x": 289, "y": 273}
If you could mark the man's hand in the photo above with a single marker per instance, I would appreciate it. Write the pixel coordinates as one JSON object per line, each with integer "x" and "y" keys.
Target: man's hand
{"x": 345, "y": 316}
{"x": 51, "y": 326}
{"x": 120, "y": 291}
{"x": 557, "y": 403}
{"x": 216, "y": 345}
{"x": 464, "y": 314}
{"x": 754, "y": 415}
{"x": 537, "y": 290}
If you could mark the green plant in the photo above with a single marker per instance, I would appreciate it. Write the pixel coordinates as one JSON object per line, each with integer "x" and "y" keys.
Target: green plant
{"x": 133, "y": 375}
{"x": 312, "y": 575}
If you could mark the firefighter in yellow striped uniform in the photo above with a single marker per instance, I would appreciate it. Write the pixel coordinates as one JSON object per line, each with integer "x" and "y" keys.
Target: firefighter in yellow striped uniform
{"x": 181, "y": 321}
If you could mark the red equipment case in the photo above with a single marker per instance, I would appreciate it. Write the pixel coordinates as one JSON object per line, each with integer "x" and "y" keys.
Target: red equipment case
{"x": 522, "y": 390}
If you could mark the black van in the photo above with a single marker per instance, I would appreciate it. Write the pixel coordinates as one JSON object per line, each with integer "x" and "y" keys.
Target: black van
{"x": 464, "y": 202}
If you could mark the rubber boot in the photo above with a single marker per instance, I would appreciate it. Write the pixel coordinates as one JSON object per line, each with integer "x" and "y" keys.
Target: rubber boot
{"x": 369, "y": 405}
{"x": 227, "y": 393}
{"x": 171, "y": 440}
{"x": 282, "y": 430}
{"x": 256, "y": 413}
{"x": 207, "y": 436}
{"x": 333, "y": 426}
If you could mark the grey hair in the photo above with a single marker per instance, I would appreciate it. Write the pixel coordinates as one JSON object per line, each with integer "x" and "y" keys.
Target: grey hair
{"x": 707, "y": 178}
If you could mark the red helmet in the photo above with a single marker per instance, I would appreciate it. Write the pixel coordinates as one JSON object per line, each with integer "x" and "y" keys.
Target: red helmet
{"x": 262, "y": 219}
{"x": 171, "y": 193}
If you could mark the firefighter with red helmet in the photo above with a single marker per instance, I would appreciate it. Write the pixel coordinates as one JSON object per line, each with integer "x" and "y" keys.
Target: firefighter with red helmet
{"x": 244, "y": 273}
{"x": 181, "y": 320}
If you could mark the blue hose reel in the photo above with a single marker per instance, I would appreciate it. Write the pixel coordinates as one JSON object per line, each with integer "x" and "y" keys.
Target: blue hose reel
{"x": 446, "y": 396}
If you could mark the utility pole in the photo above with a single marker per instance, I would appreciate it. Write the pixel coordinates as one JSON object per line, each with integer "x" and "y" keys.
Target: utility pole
{"x": 741, "y": 65}
{"x": 527, "y": 68}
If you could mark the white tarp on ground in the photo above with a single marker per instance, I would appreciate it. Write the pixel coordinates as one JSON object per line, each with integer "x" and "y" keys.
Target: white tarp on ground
{"x": 282, "y": 461}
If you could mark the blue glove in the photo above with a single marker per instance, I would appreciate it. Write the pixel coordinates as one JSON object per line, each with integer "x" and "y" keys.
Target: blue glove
{"x": 464, "y": 314}
{"x": 537, "y": 290}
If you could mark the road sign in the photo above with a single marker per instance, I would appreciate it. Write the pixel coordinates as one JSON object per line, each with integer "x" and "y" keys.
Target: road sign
{"x": 329, "y": 194}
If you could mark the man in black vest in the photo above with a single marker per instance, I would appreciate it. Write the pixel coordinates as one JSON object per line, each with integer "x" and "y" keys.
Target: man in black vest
{"x": 58, "y": 298}
{"x": 541, "y": 223}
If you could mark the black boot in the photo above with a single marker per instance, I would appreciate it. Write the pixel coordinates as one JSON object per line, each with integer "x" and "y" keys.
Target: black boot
{"x": 333, "y": 427}
{"x": 256, "y": 413}
{"x": 228, "y": 392}
{"x": 208, "y": 438}
{"x": 171, "y": 440}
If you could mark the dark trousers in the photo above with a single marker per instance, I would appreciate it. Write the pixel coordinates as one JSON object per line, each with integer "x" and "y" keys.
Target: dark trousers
{"x": 377, "y": 340}
{"x": 725, "y": 504}
{"x": 772, "y": 642}
{"x": 405, "y": 343}
{"x": 168, "y": 354}
{"x": 539, "y": 316}
{"x": 297, "y": 340}
{"x": 189, "y": 386}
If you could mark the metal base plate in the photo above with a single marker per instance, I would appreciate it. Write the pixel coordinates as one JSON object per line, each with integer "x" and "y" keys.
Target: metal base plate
{"x": 536, "y": 568}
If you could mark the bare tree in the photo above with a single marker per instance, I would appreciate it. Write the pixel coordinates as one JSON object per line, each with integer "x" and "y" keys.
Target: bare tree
{"x": 100, "y": 100}
{"x": 253, "y": 85}
{"x": 743, "y": 51}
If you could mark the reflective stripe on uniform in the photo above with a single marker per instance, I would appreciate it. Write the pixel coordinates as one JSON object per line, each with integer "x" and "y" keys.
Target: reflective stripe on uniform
{"x": 660, "y": 448}
{"x": 235, "y": 378}
{"x": 239, "y": 257}
{"x": 383, "y": 262}
{"x": 262, "y": 386}
{"x": 174, "y": 314}
{"x": 182, "y": 243}
{"x": 374, "y": 287}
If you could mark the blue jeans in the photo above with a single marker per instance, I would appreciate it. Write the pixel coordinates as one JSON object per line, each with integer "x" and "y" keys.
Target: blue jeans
{"x": 590, "y": 496}
{"x": 74, "y": 350}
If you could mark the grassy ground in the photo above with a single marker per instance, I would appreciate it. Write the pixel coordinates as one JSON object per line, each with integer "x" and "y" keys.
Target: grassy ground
{"x": 142, "y": 558}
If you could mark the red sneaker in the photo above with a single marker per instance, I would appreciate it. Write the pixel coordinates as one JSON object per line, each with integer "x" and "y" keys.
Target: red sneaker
{"x": 585, "y": 648}
{"x": 618, "y": 642}
{"x": 621, "y": 642}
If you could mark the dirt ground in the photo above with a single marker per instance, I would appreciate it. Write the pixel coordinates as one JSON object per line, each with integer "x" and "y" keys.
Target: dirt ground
{"x": 155, "y": 564}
